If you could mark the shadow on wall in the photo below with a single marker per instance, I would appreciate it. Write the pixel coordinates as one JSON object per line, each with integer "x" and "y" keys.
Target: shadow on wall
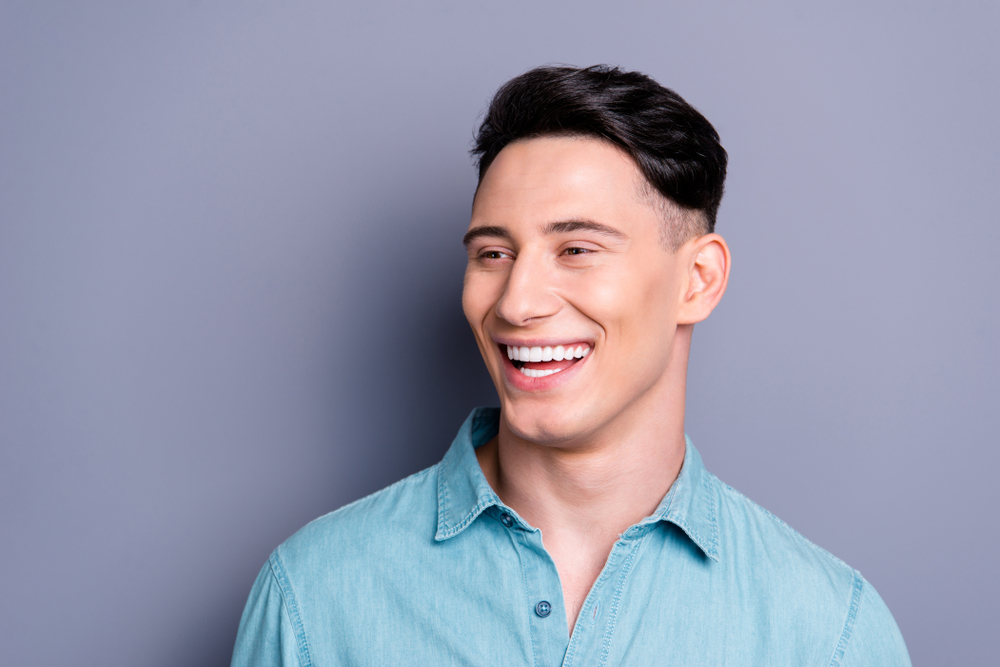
{"x": 414, "y": 371}
{"x": 210, "y": 643}
{"x": 402, "y": 373}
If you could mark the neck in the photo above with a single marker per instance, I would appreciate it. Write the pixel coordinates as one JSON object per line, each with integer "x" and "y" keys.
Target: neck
{"x": 583, "y": 493}
{"x": 600, "y": 484}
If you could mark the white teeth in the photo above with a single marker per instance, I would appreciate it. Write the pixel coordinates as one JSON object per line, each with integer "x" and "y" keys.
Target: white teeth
{"x": 547, "y": 353}
{"x": 532, "y": 373}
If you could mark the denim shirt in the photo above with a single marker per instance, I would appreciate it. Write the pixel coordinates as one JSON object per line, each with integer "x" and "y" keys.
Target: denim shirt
{"x": 436, "y": 570}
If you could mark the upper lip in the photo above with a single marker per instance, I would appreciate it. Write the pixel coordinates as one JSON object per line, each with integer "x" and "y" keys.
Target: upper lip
{"x": 542, "y": 342}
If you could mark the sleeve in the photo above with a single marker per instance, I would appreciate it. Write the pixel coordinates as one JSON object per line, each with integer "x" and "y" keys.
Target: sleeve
{"x": 271, "y": 633}
{"x": 875, "y": 640}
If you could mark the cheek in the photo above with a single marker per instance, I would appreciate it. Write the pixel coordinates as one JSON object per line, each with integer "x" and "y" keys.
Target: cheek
{"x": 478, "y": 297}
{"x": 600, "y": 294}
{"x": 636, "y": 309}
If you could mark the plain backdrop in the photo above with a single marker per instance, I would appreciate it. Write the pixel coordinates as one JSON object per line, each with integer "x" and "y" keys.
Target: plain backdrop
{"x": 230, "y": 270}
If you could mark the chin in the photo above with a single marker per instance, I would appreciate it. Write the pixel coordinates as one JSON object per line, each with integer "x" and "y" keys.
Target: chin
{"x": 543, "y": 424}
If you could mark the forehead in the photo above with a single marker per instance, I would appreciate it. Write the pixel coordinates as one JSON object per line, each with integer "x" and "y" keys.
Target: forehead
{"x": 557, "y": 177}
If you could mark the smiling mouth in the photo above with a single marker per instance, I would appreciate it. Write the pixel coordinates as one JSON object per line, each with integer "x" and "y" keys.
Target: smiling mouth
{"x": 538, "y": 362}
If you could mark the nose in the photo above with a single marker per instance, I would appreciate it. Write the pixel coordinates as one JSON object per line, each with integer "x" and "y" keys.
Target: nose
{"x": 528, "y": 295}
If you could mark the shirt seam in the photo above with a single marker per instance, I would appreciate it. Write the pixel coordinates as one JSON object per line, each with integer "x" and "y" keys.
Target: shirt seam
{"x": 602, "y": 579}
{"x": 372, "y": 496}
{"x": 852, "y": 615}
{"x": 443, "y": 503}
{"x": 697, "y": 537}
{"x": 796, "y": 534}
{"x": 713, "y": 495}
{"x": 613, "y": 612}
{"x": 446, "y": 529}
{"x": 527, "y": 596}
{"x": 291, "y": 608}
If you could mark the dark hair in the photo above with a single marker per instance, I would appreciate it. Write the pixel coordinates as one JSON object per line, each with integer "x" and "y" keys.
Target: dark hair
{"x": 674, "y": 146}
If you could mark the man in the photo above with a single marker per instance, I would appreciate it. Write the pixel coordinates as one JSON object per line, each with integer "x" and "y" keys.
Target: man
{"x": 575, "y": 525}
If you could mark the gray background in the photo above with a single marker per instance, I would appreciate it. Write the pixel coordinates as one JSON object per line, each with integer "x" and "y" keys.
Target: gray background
{"x": 230, "y": 269}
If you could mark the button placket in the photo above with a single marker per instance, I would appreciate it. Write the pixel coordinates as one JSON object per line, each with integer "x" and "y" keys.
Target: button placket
{"x": 543, "y": 597}
{"x": 596, "y": 622}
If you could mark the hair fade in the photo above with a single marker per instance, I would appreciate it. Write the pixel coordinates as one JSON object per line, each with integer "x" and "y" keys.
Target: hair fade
{"x": 675, "y": 147}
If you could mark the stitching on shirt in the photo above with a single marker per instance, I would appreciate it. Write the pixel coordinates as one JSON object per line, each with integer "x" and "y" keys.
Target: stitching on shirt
{"x": 697, "y": 537}
{"x": 443, "y": 501}
{"x": 370, "y": 497}
{"x": 484, "y": 417}
{"x": 601, "y": 580}
{"x": 472, "y": 515}
{"x": 794, "y": 532}
{"x": 574, "y": 643}
{"x": 706, "y": 482}
{"x": 598, "y": 583}
{"x": 671, "y": 515}
{"x": 852, "y": 614}
{"x": 487, "y": 417}
{"x": 527, "y": 595}
{"x": 444, "y": 509}
{"x": 613, "y": 612}
{"x": 285, "y": 586}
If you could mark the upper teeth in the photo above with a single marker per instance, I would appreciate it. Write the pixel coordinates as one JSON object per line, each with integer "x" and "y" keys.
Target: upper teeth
{"x": 557, "y": 353}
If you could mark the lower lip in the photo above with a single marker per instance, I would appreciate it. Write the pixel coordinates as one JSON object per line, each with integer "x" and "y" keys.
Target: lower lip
{"x": 521, "y": 381}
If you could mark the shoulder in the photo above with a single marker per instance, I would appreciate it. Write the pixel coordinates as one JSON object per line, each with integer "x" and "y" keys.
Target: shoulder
{"x": 379, "y": 524}
{"x": 825, "y": 593}
{"x": 320, "y": 567}
{"x": 874, "y": 638}
{"x": 749, "y": 532}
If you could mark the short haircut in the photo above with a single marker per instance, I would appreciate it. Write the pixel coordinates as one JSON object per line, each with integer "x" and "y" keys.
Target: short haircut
{"x": 675, "y": 148}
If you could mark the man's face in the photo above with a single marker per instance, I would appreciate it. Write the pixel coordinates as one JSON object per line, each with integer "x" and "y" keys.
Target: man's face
{"x": 571, "y": 295}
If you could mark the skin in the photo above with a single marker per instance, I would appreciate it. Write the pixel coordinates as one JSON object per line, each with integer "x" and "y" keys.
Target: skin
{"x": 563, "y": 248}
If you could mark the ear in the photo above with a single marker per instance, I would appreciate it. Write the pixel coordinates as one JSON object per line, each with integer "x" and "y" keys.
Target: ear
{"x": 707, "y": 262}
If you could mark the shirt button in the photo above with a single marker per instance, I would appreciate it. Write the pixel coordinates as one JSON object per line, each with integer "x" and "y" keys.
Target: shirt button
{"x": 506, "y": 519}
{"x": 543, "y": 608}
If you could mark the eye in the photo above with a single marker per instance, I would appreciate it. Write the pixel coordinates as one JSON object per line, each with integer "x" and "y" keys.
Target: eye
{"x": 491, "y": 255}
{"x": 577, "y": 251}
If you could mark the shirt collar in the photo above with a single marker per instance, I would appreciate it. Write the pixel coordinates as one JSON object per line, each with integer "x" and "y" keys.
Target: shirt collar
{"x": 463, "y": 492}
{"x": 691, "y": 504}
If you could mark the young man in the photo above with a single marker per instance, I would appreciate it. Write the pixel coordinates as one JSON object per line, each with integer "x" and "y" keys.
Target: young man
{"x": 575, "y": 525}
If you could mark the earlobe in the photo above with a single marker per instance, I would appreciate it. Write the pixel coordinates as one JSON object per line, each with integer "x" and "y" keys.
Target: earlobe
{"x": 708, "y": 275}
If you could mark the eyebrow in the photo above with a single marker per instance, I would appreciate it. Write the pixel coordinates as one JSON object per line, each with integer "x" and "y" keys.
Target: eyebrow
{"x": 491, "y": 230}
{"x": 562, "y": 227}
{"x": 589, "y": 225}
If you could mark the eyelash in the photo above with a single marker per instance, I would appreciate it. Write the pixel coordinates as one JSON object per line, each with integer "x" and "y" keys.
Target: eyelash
{"x": 499, "y": 254}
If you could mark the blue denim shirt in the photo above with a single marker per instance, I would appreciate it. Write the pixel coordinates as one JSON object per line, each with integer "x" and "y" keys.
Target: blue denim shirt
{"x": 436, "y": 570}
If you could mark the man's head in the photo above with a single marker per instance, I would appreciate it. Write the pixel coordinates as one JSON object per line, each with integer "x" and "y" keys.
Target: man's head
{"x": 581, "y": 311}
{"x": 675, "y": 148}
